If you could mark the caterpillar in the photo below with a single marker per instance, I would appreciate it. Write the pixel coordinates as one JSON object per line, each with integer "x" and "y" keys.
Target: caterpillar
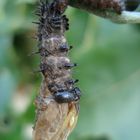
{"x": 58, "y": 100}
{"x": 53, "y": 48}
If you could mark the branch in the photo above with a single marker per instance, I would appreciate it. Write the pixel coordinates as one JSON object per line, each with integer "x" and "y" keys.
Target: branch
{"x": 116, "y": 10}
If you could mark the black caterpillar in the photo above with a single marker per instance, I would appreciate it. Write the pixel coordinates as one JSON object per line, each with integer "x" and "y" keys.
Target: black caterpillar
{"x": 53, "y": 49}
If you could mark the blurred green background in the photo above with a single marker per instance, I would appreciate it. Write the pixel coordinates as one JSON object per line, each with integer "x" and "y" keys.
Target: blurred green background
{"x": 108, "y": 57}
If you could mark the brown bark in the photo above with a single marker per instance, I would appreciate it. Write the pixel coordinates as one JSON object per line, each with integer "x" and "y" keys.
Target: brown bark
{"x": 113, "y": 10}
{"x": 98, "y": 6}
{"x": 54, "y": 121}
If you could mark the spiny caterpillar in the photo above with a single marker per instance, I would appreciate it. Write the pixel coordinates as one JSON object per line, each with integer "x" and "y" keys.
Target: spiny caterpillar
{"x": 53, "y": 49}
{"x": 58, "y": 100}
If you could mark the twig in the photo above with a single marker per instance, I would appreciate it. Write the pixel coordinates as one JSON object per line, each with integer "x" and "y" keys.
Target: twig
{"x": 115, "y": 10}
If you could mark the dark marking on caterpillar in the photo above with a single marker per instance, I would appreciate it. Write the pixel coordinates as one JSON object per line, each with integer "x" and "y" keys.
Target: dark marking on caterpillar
{"x": 63, "y": 48}
{"x": 68, "y": 84}
{"x": 70, "y": 65}
{"x": 53, "y": 48}
{"x": 71, "y": 81}
{"x": 42, "y": 52}
{"x": 67, "y": 96}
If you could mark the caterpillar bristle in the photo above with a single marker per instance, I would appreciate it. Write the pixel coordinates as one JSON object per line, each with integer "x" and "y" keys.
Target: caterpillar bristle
{"x": 69, "y": 65}
{"x": 76, "y": 81}
{"x": 33, "y": 53}
{"x": 36, "y": 22}
{"x": 34, "y": 37}
{"x": 71, "y": 47}
{"x": 71, "y": 82}
{"x": 36, "y": 71}
{"x": 37, "y": 13}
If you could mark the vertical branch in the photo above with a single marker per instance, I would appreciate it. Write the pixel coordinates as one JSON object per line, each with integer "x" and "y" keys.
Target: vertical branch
{"x": 57, "y": 104}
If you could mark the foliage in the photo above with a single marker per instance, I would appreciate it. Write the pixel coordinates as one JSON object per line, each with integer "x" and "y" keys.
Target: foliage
{"x": 108, "y": 68}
